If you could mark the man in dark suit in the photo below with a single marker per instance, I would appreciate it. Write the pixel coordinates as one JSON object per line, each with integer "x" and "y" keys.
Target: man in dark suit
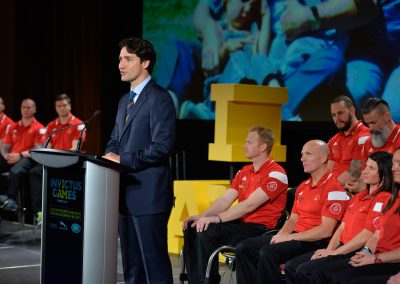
{"x": 143, "y": 139}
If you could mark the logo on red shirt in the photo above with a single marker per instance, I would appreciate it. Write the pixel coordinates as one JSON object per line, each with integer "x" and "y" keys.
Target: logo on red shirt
{"x": 335, "y": 208}
{"x": 376, "y": 222}
{"x": 272, "y": 186}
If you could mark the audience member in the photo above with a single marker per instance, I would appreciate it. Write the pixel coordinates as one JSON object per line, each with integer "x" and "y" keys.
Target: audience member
{"x": 5, "y": 121}
{"x": 5, "y": 124}
{"x": 260, "y": 189}
{"x": 23, "y": 136}
{"x": 348, "y": 142}
{"x": 384, "y": 134}
{"x": 62, "y": 140}
{"x": 380, "y": 257}
{"x": 319, "y": 205}
{"x": 358, "y": 224}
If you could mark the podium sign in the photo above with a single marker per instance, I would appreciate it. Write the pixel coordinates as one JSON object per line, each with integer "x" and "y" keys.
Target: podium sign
{"x": 80, "y": 217}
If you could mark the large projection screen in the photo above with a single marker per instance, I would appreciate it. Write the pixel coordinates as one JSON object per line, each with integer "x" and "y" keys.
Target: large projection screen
{"x": 201, "y": 42}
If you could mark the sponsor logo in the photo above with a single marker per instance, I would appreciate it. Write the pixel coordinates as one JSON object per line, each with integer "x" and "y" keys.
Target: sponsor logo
{"x": 62, "y": 226}
{"x": 76, "y": 228}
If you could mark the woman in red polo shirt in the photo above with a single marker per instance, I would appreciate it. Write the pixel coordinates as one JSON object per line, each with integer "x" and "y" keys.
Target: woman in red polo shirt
{"x": 380, "y": 257}
{"x": 359, "y": 222}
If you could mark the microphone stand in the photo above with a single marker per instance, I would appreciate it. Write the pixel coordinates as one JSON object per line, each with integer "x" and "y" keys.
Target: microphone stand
{"x": 46, "y": 143}
{"x": 79, "y": 144}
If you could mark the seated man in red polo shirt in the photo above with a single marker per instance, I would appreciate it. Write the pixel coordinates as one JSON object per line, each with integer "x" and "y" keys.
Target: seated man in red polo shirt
{"x": 62, "y": 140}
{"x": 5, "y": 124}
{"x": 346, "y": 145}
{"x": 319, "y": 205}
{"x": 384, "y": 135}
{"x": 260, "y": 189}
{"x": 15, "y": 157}
{"x": 5, "y": 121}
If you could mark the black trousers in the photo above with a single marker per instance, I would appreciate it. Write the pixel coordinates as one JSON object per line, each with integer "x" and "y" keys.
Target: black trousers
{"x": 340, "y": 271}
{"x": 198, "y": 247}
{"x": 4, "y": 167}
{"x": 18, "y": 174}
{"x": 258, "y": 261}
{"x": 35, "y": 187}
{"x": 300, "y": 269}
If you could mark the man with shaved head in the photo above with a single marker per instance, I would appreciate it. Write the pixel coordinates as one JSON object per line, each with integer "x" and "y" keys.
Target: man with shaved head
{"x": 15, "y": 157}
{"x": 319, "y": 205}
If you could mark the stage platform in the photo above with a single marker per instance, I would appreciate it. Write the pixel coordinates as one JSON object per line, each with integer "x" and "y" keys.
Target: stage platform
{"x": 20, "y": 255}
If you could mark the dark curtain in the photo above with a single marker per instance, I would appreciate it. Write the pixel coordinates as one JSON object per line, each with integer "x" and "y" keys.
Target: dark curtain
{"x": 66, "y": 46}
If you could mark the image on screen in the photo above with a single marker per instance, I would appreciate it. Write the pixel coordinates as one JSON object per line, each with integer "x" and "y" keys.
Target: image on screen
{"x": 273, "y": 43}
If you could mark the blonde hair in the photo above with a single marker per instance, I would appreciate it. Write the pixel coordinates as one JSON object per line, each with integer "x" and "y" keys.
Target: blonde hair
{"x": 266, "y": 136}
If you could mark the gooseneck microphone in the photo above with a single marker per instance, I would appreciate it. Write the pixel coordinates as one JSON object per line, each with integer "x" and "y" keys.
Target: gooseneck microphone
{"x": 95, "y": 114}
{"x": 79, "y": 144}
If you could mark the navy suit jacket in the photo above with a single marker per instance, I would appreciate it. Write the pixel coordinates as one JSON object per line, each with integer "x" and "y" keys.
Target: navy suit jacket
{"x": 145, "y": 143}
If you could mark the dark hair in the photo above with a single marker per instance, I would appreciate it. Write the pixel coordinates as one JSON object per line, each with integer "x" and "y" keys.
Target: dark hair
{"x": 142, "y": 48}
{"x": 375, "y": 103}
{"x": 347, "y": 101}
{"x": 393, "y": 199}
{"x": 62, "y": 97}
{"x": 384, "y": 162}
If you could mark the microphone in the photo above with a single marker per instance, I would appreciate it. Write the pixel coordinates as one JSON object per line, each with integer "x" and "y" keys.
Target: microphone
{"x": 79, "y": 144}
{"x": 96, "y": 113}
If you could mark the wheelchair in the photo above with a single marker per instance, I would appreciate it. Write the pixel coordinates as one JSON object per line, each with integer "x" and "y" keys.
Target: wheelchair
{"x": 228, "y": 251}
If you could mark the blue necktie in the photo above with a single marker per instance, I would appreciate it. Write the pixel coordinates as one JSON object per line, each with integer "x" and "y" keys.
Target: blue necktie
{"x": 131, "y": 102}
{"x": 132, "y": 96}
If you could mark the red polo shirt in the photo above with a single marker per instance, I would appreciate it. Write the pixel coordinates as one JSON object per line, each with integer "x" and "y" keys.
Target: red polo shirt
{"x": 23, "y": 138}
{"x": 5, "y": 124}
{"x": 345, "y": 148}
{"x": 62, "y": 140}
{"x": 272, "y": 179}
{"x": 363, "y": 213}
{"x": 389, "y": 226}
{"x": 326, "y": 199}
{"x": 392, "y": 143}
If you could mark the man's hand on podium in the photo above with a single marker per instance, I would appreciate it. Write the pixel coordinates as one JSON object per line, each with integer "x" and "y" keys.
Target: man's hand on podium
{"x": 112, "y": 157}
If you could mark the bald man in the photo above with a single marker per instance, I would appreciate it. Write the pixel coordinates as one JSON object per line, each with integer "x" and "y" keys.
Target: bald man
{"x": 22, "y": 136}
{"x": 319, "y": 205}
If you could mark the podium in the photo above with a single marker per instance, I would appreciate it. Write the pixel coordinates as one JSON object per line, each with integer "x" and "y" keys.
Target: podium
{"x": 80, "y": 217}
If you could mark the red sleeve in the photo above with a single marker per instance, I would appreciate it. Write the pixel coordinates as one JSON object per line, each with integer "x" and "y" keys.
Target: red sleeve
{"x": 274, "y": 184}
{"x": 335, "y": 201}
{"x": 359, "y": 148}
{"x": 236, "y": 180}
{"x": 8, "y": 135}
{"x": 296, "y": 196}
{"x": 375, "y": 211}
{"x": 40, "y": 135}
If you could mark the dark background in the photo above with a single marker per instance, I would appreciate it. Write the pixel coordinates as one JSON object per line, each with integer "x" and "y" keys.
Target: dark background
{"x": 70, "y": 46}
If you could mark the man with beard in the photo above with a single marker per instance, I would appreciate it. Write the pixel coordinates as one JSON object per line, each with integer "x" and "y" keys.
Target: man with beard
{"x": 384, "y": 134}
{"x": 346, "y": 145}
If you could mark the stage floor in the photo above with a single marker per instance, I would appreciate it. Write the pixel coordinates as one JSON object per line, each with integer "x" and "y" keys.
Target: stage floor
{"x": 20, "y": 256}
